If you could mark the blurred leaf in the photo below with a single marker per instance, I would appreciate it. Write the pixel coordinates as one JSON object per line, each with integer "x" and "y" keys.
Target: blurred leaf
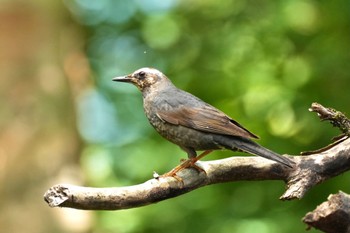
{"x": 262, "y": 63}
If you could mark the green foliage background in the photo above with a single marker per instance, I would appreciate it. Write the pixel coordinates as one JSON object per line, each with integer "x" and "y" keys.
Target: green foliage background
{"x": 261, "y": 62}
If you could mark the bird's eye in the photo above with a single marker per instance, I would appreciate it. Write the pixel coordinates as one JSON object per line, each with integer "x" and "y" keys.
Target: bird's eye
{"x": 142, "y": 74}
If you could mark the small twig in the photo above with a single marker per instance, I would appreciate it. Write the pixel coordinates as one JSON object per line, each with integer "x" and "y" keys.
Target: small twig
{"x": 341, "y": 139}
{"x": 337, "y": 119}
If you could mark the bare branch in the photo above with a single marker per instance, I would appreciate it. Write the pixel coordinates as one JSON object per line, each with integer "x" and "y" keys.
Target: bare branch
{"x": 314, "y": 169}
{"x": 332, "y": 216}
{"x": 154, "y": 190}
{"x": 337, "y": 119}
{"x": 309, "y": 171}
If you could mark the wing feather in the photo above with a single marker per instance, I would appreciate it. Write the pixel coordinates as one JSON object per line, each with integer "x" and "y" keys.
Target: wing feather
{"x": 207, "y": 119}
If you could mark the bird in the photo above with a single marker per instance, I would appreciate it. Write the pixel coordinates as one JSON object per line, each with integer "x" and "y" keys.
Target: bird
{"x": 191, "y": 123}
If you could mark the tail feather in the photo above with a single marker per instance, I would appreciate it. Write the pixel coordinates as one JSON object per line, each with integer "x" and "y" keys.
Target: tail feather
{"x": 251, "y": 147}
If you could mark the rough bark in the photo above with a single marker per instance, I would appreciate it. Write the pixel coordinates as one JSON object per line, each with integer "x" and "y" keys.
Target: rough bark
{"x": 332, "y": 216}
{"x": 308, "y": 172}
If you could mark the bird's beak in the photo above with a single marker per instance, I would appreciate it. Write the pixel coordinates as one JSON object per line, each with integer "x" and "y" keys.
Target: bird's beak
{"x": 126, "y": 79}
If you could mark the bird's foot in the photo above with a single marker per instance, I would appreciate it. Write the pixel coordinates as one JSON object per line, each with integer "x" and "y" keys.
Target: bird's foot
{"x": 184, "y": 164}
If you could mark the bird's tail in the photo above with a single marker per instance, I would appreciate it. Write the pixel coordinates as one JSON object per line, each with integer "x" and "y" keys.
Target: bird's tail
{"x": 251, "y": 147}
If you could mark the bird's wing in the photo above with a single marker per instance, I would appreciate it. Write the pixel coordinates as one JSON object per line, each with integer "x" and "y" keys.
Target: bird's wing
{"x": 205, "y": 118}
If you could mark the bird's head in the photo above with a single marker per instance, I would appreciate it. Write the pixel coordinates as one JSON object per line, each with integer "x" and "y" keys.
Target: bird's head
{"x": 144, "y": 78}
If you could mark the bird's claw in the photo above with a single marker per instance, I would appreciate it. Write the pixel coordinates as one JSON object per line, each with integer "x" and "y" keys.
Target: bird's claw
{"x": 185, "y": 164}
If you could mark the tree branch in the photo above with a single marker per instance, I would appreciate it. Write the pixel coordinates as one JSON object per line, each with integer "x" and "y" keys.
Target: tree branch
{"x": 309, "y": 171}
{"x": 158, "y": 189}
{"x": 332, "y": 216}
{"x": 336, "y": 118}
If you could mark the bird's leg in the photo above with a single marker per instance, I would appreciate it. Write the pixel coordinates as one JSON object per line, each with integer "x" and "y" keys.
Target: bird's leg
{"x": 202, "y": 155}
{"x": 190, "y": 162}
{"x": 183, "y": 165}
{"x": 195, "y": 159}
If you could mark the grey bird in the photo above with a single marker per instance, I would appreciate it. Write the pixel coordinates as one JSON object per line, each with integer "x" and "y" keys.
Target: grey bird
{"x": 191, "y": 123}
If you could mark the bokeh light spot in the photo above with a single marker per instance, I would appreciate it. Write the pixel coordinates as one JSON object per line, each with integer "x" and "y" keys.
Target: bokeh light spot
{"x": 281, "y": 120}
{"x": 302, "y": 16}
{"x": 296, "y": 72}
{"x": 161, "y": 31}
